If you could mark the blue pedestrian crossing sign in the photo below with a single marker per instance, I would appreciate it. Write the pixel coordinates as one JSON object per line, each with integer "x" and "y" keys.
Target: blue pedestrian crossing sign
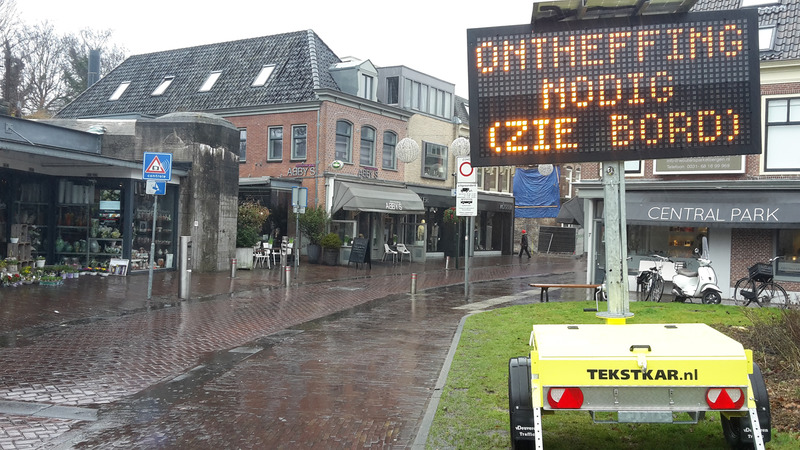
{"x": 157, "y": 166}
{"x": 155, "y": 187}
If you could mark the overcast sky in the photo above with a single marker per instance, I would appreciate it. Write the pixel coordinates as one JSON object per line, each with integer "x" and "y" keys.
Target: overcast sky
{"x": 425, "y": 35}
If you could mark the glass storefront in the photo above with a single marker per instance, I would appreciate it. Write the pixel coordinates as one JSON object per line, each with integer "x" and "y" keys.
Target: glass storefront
{"x": 85, "y": 222}
{"x": 789, "y": 253}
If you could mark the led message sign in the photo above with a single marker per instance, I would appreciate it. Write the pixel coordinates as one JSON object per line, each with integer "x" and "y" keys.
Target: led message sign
{"x": 613, "y": 90}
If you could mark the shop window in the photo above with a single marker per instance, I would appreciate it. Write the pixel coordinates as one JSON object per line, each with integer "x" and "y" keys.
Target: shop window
{"x": 388, "y": 153}
{"x": 783, "y": 132}
{"x": 434, "y": 161}
{"x": 299, "y": 140}
{"x": 789, "y": 252}
{"x": 275, "y": 152}
{"x": 367, "y": 154}
{"x": 344, "y": 141}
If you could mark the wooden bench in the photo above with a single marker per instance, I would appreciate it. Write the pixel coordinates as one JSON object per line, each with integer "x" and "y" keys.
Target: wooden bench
{"x": 544, "y": 296}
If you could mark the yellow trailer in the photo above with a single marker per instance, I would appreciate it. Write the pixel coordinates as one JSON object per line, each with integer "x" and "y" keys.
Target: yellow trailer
{"x": 638, "y": 373}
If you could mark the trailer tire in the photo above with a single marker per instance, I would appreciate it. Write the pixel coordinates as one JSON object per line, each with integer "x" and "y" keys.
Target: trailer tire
{"x": 733, "y": 428}
{"x": 520, "y": 403}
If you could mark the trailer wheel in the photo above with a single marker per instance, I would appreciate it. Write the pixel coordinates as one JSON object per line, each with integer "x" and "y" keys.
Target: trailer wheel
{"x": 520, "y": 404}
{"x": 737, "y": 430}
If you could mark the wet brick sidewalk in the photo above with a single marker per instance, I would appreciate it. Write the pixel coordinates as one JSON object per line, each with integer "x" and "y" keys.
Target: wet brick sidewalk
{"x": 112, "y": 353}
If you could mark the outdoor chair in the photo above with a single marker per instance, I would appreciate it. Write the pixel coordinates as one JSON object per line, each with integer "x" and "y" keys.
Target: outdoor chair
{"x": 403, "y": 250}
{"x": 388, "y": 251}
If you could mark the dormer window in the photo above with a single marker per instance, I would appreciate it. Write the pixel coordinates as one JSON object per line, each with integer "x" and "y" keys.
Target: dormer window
{"x": 748, "y": 3}
{"x": 766, "y": 38}
{"x": 119, "y": 91}
{"x": 263, "y": 76}
{"x": 209, "y": 83}
{"x": 163, "y": 86}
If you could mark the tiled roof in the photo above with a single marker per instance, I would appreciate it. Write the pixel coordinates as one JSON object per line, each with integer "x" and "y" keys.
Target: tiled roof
{"x": 301, "y": 62}
{"x": 462, "y": 109}
{"x": 784, "y": 14}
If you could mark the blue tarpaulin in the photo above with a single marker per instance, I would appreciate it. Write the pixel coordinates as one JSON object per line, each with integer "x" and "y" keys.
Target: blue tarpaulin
{"x": 536, "y": 195}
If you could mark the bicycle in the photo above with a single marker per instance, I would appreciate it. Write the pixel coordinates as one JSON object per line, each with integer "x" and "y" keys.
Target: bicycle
{"x": 760, "y": 287}
{"x": 650, "y": 283}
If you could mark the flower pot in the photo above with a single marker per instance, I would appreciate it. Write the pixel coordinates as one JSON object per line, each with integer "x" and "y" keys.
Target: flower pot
{"x": 39, "y": 263}
{"x": 313, "y": 251}
{"x": 14, "y": 240}
{"x": 331, "y": 257}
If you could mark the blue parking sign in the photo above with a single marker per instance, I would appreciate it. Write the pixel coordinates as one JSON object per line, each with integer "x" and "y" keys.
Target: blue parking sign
{"x": 157, "y": 166}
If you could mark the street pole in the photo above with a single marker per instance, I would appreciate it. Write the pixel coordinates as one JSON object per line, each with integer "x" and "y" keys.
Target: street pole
{"x": 152, "y": 249}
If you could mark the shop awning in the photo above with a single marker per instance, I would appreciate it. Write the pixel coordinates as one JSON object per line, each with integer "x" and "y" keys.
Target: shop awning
{"x": 375, "y": 198}
{"x": 710, "y": 208}
{"x": 571, "y": 212}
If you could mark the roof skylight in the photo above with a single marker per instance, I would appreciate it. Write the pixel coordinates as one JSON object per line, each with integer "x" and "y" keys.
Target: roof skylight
{"x": 119, "y": 91}
{"x": 263, "y": 75}
{"x": 209, "y": 83}
{"x": 766, "y": 38}
{"x": 163, "y": 86}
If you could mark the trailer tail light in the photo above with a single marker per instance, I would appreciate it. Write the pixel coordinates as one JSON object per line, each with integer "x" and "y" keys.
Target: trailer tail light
{"x": 725, "y": 398}
{"x": 565, "y": 398}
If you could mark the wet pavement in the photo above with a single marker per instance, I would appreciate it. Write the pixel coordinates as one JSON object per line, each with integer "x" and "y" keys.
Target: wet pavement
{"x": 344, "y": 357}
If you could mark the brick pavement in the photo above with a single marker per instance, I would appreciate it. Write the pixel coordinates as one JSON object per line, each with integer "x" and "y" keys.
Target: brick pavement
{"x": 127, "y": 348}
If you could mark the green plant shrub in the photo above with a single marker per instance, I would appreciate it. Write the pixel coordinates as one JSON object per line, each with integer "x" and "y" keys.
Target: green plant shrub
{"x": 313, "y": 223}
{"x": 331, "y": 241}
{"x": 249, "y": 221}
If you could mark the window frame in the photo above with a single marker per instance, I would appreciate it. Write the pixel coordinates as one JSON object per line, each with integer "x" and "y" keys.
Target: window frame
{"x": 427, "y": 168}
{"x": 765, "y": 47}
{"x": 163, "y": 86}
{"x": 347, "y": 157}
{"x": 123, "y": 86}
{"x": 392, "y": 90}
{"x": 263, "y": 75}
{"x": 392, "y": 148}
{"x": 210, "y": 81}
{"x": 242, "y": 145}
{"x": 271, "y": 144}
{"x": 785, "y": 122}
{"x": 296, "y": 140}
{"x": 369, "y": 150}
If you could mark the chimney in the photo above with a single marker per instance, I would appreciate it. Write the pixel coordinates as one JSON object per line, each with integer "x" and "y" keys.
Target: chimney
{"x": 94, "y": 67}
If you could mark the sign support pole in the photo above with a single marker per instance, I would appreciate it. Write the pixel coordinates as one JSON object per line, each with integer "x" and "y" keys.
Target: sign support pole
{"x": 616, "y": 243}
{"x": 152, "y": 249}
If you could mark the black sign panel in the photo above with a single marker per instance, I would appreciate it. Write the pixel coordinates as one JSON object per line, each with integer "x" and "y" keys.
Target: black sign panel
{"x": 636, "y": 88}
{"x": 359, "y": 251}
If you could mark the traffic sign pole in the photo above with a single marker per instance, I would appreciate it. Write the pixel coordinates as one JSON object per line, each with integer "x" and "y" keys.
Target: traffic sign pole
{"x": 155, "y": 166}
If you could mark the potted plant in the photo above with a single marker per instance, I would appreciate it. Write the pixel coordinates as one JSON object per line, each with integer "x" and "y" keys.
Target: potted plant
{"x": 50, "y": 280}
{"x": 249, "y": 221}
{"x": 11, "y": 264}
{"x": 40, "y": 261}
{"x": 331, "y": 243}
{"x": 312, "y": 224}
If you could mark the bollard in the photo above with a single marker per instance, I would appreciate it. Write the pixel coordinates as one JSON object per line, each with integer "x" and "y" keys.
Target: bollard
{"x": 413, "y": 283}
{"x": 233, "y": 267}
{"x": 446, "y": 263}
{"x": 288, "y": 272}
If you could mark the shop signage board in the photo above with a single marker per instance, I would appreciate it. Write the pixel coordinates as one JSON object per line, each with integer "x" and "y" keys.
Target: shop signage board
{"x": 157, "y": 166}
{"x": 645, "y": 87}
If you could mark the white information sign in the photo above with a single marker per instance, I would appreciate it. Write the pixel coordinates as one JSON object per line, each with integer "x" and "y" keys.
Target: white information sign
{"x": 467, "y": 200}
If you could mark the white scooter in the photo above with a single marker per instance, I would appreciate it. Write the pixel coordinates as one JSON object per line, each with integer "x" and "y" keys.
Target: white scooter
{"x": 697, "y": 284}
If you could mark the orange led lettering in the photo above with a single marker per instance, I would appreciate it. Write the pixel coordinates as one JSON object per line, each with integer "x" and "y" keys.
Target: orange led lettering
{"x": 568, "y": 49}
{"x": 665, "y": 91}
{"x": 734, "y": 125}
{"x": 587, "y": 47}
{"x": 538, "y": 44}
{"x": 616, "y": 43}
{"x": 522, "y": 127}
{"x": 518, "y": 51}
{"x": 636, "y": 100}
{"x": 622, "y": 132}
{"x": 602, "y": 90}
{"x": 675, "y": 34}
{"x": 733, "y": 48}
{"x": 643, "y": 42}
{"x": 702, "y": 126}
{"x": 675, "y": 129}
{"x": 486, "y": 64}
{"x": 493, "y": 138}
{"x": 655, "y": 137}
{"x": 549, "y": 87}
{"x": 540, "y": 125}
{"x": 589, "y": 91}
{"x": 560, "y": 130}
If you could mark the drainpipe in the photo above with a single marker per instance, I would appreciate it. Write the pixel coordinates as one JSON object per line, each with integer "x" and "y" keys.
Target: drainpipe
{"x": 316, "y": 174}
